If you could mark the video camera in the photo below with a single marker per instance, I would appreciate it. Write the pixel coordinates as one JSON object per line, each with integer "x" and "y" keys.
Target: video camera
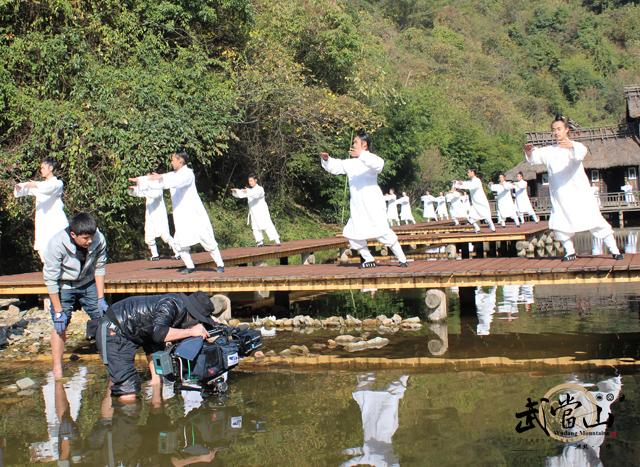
{"x": 201, "y": 365}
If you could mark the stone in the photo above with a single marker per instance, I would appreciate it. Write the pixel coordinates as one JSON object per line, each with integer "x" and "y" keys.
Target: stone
{"x": 413, "y": 319}
{"x": 25, "y": 383}
{"x": 288, "y": 323}
{"x": 318, "y": 346}
{"x": 258, "y": 355}
{"x": 5, "y": 302}
{"x": 234, "y": 322}
{"x": 286, "y": 353}
{"x": 317, "y": 323}
{"x": 375, "y": 343}
{"x": 270, "y": 353}
{"x": 386, "y": 330}
{"x": 388, "y": 322}
{"x": 10, "y": 389}
{"x": 370, "y": 323}
{"x": 221, "y": 306}
{"x": 411, "y": 326}
{"x": 13, "y": 309}
{"x": 345, "y": 339}
{"x": 27, "y": 392}
{"x": 396, "y": 318}
{"x": 352, "y": 322}
{"x": 332, "y": 344}
{"x": 299, "y": 350}
{"x": 308, "y": 321}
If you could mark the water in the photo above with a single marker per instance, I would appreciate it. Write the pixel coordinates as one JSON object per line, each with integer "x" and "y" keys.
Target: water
{"x": 282, "y": 416}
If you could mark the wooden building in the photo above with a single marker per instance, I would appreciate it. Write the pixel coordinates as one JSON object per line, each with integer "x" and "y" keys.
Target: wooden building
{"x": 614, "y": 153}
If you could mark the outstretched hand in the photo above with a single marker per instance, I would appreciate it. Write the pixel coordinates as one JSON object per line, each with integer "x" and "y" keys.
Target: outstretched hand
{"x": 528, "y": 148}
{"x": 324, "y": 156}
{"x": 133, "y": 179}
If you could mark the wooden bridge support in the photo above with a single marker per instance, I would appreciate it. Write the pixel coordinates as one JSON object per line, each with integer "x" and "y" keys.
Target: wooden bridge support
{"x": 478, "y": 249}
{"x": 308, "y": 258}
{"x": 467, "y": 300}
{"x": 281, "y": 300}
{"x": 464, "y": 250}
{"x": 284, "y": 261}
{"x": 493, "y": 250}
{"x": 436, "y": 302}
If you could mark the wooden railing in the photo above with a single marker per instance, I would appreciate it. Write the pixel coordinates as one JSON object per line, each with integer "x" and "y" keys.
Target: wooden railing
{"x": 609, "y": 202}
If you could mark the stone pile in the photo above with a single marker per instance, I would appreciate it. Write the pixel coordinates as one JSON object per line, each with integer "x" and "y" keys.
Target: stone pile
{"x": 544, "y": 246}
{"x": 381, "y": 323}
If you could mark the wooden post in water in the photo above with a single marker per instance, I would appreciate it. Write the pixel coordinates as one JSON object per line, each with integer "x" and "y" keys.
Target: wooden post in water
{"x": 281, "y": 299}
{"x": 436, "y": 301}
{"x": 621, "y": 218}
{"x": 467, "y": 300}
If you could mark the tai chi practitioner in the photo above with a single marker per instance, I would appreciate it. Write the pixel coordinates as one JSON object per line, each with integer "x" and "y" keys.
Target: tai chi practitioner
{"x": 405, "y": 209}
{"x": 485, "y": 308}
{"x": 456, "y": 206}
{"x": 259, "y": 216}
{"x": 627, "y": 188}
{"x": 392, "y": 207}
{"x": 441, "y": 208}
{"x": 573, "y": 208}
{"x": 596, "y": 193}
{"x": 428, "y": 211}
{"x": 367, "y": 205}
{"x": 523, "y": 203}
{"x": 50, "y": 217}
{"x": 379, "y": 411}
{"x": 189, "y": 215}
{"x": 156, "y": 222}
{"x": 504, "y": 201}
{"x": 480, "y": 209}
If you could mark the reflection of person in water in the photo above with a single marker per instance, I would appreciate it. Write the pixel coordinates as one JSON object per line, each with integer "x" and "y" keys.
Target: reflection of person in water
{"x": 62, "y": 407}
{"x": 509, "y": 304}
{"x": 379, "y": 410}
{"x": 485, "y": 308}
{"x": 586, "y": 453}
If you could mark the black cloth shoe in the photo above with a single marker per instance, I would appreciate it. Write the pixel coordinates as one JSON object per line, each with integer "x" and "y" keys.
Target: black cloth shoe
{"x": 618, "y": 257}
{"x": 154, "y": 258}
{"x": 569, "y": 257}
{"x": 404, "y": 265}
{"x": 186, "y": 270}
{"x": 261, "y": 244}
{"x": 368, "y": 264}
{"x": 220, "y": 269}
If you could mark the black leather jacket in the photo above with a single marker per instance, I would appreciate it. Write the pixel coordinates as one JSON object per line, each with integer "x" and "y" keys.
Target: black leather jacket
{"x": 147, "y": 319}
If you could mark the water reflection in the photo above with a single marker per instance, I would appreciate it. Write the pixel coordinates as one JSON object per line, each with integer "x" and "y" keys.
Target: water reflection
{"x": 586, "y": 452}
{"x": 62, "y": 406}
{"x": 485, "y": 307}
{"x": 379, "y": 413}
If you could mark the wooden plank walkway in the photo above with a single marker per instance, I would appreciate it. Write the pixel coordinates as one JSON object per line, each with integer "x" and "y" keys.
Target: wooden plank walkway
{"x": 328, "y": 277}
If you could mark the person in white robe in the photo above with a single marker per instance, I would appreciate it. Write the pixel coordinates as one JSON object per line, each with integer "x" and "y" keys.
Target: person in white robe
{"x": 156, "y": 222}
{"x": 456, "y": 206}
{"x": 526, "y": 296}
{"x": 509, "y": 303}
{"x": 504, "y": 201}
{"x": 259, "y": 217}
{"x": 379, "y": 410}
{"x": 573, "y": 207}
{"x": 627, "y": 188}
{"x": 406, "y": 215}
{"x": 466, "y": 204}
{"x": 586, "y": 451}
{"x": 428, "y": 211}
{"x": 480, "y": 209}
{"x": 189, "y": 215}
{"x": 485, "y": 308}
{"x": 50, "y": 217}
{"x": 367, "y": 205}
{"x": 441, "y": 207}
{"x": 392, "y": 208}
{"x": 523, "y": 203}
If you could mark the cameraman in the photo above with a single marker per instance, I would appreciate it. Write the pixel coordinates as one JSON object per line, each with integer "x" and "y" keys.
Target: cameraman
{"x": 148, "y": 322}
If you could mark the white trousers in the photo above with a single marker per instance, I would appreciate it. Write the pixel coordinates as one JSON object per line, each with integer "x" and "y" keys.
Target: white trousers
{"x": 271, "y": 232}
{"x": 603, "y": 232}
{"x": 531, "y": 214}
{"x": 168, "y": 239}
{"x": 390, "y": 240}
{"x": 210, "y": 245}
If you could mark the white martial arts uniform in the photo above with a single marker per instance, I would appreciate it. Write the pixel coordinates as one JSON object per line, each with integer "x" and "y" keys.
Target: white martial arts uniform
{"x": 629, "y": 198}
{"x": 189, "y": 216}
{"x": 441, "y": 208}
{"x": 367, "y": 205}
{"x": 379, "y": 412}
{"x": 573, "y": 206}
{"x": 485, "y": 308}
{"x": 504, "y": 202}
{"x": 50, "y": 217}
{"x": 480, "y": 209}
{"x": 523, "y": 203}
{"x": 428, "y": 211}
{"x": 405, "y": 210}
{"x": 392, "y": 209}
{"x": 456, "y": 207}
{"x": 259, "y": 216}
{"x": 156, "y": 222}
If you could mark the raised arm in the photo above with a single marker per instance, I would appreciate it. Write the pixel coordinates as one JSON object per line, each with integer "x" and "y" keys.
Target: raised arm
{"x": 256, "y": 192}
{"x": 178, "y": 179}
{"x": 333, "y": 166}
{"x": 372, "y": 161}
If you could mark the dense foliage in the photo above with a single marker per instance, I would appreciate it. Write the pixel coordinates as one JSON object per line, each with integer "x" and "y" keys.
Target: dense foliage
{"x": 110, "y": 88}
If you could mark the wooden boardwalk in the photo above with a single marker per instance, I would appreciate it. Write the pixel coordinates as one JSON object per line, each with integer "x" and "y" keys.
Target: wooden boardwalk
{"x": 328, "y": 277}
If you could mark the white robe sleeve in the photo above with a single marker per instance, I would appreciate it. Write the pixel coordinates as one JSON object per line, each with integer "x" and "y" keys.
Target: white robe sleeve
{"x": 466, "y": 185}
{"x": 20, "y": 190}
{"x": 579, "y": 151}
{"x": 334, "y": 166}
{"x": 372, "y": 161}
{"x": 178, "y": 179}
{"x": 255, "y": 193}
{"x": 48, "y": 187}
{"x": 539, "y": 155}
{"x": 240, "y": 194}
{"x": 495, "y": 187}
{"x": 136, "y": 191}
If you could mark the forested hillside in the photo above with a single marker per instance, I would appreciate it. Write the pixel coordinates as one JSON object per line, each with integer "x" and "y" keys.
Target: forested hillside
{"x": 110, "y": 88}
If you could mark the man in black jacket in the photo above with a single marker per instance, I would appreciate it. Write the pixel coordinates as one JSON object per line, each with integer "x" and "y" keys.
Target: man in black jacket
{"x": 148, "y": 322}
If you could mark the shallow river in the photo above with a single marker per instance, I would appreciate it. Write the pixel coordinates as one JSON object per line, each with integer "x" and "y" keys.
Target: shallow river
{"x": 425, "y": 417}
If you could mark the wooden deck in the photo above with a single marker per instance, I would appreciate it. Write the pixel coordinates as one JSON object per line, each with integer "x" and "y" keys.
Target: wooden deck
{"x": 326, "y": 277}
